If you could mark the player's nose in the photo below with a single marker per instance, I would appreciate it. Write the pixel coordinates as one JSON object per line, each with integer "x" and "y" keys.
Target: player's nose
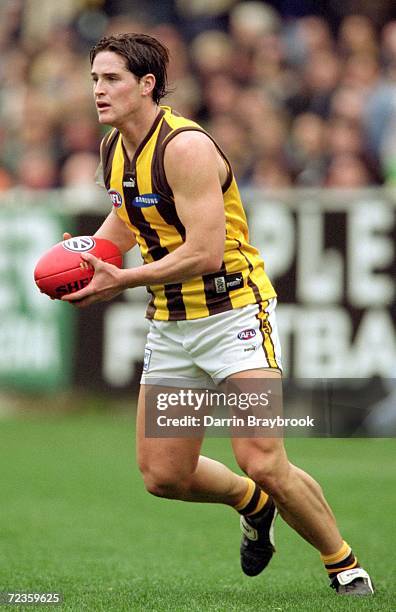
{"x": 99, "y": 88}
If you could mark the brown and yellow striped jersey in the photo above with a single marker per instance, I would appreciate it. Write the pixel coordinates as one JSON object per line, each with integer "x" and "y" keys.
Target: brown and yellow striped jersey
{"x": 144, "y": 201}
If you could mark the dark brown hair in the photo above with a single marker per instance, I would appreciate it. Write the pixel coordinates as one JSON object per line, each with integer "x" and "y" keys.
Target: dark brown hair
{"x": 143, "y": 54}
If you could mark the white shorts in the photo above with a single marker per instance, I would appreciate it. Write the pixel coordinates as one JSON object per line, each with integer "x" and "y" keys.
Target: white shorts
{"x": 209, "y": 349}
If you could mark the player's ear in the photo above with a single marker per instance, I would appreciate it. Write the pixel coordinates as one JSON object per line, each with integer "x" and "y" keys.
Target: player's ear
{"x": 147, "y": 84}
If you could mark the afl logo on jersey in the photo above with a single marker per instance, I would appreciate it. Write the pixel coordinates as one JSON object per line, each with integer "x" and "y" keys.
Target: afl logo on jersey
{"x": 145, "y": 200}
{"x": 115, "y": 197}
{"x": 247, "y": 334}
{"x": 80, "y": 244}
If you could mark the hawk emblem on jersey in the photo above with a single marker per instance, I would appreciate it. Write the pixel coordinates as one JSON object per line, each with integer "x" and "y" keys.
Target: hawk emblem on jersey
{"x": 146, "y": 199}
{"x": 115, "y": 197}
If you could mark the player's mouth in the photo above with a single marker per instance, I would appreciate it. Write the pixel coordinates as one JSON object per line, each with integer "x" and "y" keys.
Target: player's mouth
{"x": 102, "y": 106}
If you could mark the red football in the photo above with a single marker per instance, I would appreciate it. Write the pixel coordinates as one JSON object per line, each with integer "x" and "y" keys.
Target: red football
{"x": 58, "y": 271}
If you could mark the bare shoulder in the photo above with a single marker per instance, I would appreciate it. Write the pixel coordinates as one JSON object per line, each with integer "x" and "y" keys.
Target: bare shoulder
{"x": 191, "y": 154}
{"x": 190, "y": 144}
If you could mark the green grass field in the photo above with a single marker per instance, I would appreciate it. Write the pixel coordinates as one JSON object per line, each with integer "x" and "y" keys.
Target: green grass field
{"x": 75, "y": 518}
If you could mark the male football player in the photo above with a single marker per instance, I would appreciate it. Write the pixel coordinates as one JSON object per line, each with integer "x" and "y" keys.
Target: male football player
{"x": 175, "y": 196}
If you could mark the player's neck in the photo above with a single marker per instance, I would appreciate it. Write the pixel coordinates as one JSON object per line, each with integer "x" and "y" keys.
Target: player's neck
{"x": 134, "y": 131}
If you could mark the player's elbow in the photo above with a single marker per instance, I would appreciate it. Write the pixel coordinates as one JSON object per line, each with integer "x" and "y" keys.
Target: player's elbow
{"x": 213, "y": 264}
{"x": 205, "y": 258}
{"x": 211, "y": 261}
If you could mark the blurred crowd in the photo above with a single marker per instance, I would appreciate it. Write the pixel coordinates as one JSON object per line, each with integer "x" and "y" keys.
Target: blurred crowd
{"x": 293, "y": 96}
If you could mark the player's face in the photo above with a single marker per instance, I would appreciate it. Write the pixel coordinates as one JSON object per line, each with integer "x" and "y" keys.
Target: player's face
{"x": 116, "y": 89}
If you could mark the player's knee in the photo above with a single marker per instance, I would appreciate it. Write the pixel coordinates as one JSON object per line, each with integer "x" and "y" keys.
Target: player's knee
{"x": 160, "y": 488}
{"x": 162, "y": 484}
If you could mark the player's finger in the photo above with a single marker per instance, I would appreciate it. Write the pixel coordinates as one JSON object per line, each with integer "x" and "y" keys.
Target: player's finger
{"x": 72, "y": 298}
{"x": 77, "y": 295}
{"x": 82, "y": 303}
{"x": 85, "y": 301}
{"x": 66, "y": 236}
{"x": 90, "y": 259}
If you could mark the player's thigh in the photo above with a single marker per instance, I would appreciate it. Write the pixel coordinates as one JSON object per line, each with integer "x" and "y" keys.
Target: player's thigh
{"x": 241, "y": 339}
{"x": 263, "y": 454}
{"x": 164, "y": 457}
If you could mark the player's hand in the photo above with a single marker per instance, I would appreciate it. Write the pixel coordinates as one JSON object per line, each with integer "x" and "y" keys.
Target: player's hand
{"x": 106, "y": 283}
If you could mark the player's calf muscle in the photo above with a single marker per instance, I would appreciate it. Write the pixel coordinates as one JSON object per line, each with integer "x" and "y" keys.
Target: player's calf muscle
{"x": 265, "y": 462}
{"x": 273, "y": 481}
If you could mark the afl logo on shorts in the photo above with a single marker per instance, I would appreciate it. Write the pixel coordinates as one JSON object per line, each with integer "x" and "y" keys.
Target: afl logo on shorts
{"x": 79, "y": 244}
{"x": 115, "y": 197}
{"x": 247, "y": 334}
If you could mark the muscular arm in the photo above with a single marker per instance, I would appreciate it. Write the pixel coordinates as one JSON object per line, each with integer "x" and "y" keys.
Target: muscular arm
{"x": 192, "y": 170}
{"x": 191, "y": 167}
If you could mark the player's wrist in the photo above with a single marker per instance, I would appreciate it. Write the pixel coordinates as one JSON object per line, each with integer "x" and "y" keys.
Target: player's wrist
{"x": 127, "y": 278}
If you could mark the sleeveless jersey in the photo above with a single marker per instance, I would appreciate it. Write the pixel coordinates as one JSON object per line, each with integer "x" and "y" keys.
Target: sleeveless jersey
{"x": 144, "y": 201}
